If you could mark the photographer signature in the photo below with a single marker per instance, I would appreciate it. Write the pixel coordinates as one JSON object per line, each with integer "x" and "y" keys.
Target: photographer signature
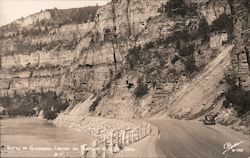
{"x": 229, "y": 146}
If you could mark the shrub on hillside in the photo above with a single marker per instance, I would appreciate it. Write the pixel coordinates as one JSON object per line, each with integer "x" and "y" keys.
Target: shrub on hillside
{"x": 141, "y": 89}
{"x": 179, "y": 8}
{"x": 190, "y": 64}
{"x": 187, "y": 50}
{"x": 75, "y": 15}
{"x": 50, "y": 115}
{"x": 134, "y": 57}
{"x": 180, "y": 35}
{"x": 240, "y": 100}
{"x": 203, "y": 31}
{"x": 95, "y": 104}
{"x": 223, "y": 23}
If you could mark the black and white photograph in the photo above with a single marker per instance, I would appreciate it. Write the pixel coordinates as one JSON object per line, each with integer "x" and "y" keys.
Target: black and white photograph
{"x": 124, "y": 78}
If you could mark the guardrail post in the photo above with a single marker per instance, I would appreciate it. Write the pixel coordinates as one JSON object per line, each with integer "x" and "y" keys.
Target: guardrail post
{"x": 127, "y": 138}
{"x": 143, "y": 131}
{"x": 116, "y": 148}
{"x": 94, "y": 149}
{"x": 132, "y": 136}
{"x": 148, "y": 129}
{"x": 139, "y": 133}
{"x": 142, "y": 136}
{"x": 120, "y": 138}
{"x": 104, "y": 140}
{"x": 111, "y": 142}
{"x": 104, "y": 147}
{"x": 123, "y": 138}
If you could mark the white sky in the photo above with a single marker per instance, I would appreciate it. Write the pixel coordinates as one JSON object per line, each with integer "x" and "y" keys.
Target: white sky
{"x": 11, "y": 10}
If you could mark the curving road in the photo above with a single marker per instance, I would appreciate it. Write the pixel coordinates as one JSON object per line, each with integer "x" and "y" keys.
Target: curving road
{"x": 192, "y": 139}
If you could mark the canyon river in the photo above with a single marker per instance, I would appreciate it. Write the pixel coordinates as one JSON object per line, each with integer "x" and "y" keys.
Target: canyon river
{"x": 31, "y": 137}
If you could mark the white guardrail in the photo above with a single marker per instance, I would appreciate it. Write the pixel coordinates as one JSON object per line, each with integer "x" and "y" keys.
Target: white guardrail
{"x": 115, "y": 141}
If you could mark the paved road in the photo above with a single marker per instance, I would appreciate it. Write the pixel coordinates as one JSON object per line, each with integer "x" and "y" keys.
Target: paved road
{"x": 192, "y": 139}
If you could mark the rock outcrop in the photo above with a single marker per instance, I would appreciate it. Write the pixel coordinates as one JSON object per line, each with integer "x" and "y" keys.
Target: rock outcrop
{"x": 73, "y": 59}
{"x": 240, "y": 56}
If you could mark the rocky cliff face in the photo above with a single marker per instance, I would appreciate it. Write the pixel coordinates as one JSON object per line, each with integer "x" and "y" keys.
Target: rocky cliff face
{"x": 73, "y": 60}
{"x": 240, "y": 55}
{"x": 135, "y": 56}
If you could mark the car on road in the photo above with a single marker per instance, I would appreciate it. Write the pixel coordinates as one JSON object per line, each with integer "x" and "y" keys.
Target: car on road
{"x": 209, "y": 120}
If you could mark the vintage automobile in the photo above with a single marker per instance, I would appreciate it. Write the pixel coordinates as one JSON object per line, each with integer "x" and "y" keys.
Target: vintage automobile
{"x": 209, "y": 120}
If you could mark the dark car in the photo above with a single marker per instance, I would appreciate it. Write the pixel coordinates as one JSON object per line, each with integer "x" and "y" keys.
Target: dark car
{"x": 209, "y": 120}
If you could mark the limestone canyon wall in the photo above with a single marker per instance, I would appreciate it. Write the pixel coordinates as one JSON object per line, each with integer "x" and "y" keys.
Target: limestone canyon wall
{"x": 73, "y": 60}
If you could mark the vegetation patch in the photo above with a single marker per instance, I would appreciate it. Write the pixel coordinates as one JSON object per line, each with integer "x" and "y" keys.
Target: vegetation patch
{"x": 236, "y": 96}
{"x": 58, "y": 44}
{"x": 223, "y": 23}
{"x": 187, "y": 50}
{"x": 92, "y": 108}
{"x": 134, "y": 57}
{"x": 141, "y": 89}
{"x": 179, "y": 8}
{"x": 25, "y": 105}
{"x": 239, "y": 99}
{"x": 190, "y": 64}
{"x": 203, "y": 31}
{"x": 50, "y": 115}
{"x": 59, "y": 17}
{"x": 74, "y": 15}
{"x": 151, "y": 59}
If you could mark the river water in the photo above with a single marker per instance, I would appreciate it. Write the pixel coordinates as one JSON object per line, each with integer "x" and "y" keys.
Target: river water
{"x": 31, "y": 137}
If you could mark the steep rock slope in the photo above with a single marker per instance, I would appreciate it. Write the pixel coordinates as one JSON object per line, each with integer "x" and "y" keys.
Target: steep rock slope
{"x": 199, "y": 95}
{"x": 173, "y": 47}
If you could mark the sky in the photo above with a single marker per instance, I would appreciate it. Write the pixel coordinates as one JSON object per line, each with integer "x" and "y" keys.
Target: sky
{"x": 11, "y": 10}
